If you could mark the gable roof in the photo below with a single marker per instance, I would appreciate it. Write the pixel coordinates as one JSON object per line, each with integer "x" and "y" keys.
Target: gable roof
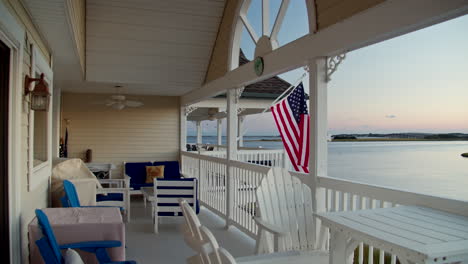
{"x": 267, "y": 89}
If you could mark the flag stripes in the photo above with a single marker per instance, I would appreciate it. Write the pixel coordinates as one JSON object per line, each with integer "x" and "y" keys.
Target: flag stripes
{"x": 292, "y": 121}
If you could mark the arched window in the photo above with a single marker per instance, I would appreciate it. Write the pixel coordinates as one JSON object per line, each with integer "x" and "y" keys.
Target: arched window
{"x": 263, "y": 25}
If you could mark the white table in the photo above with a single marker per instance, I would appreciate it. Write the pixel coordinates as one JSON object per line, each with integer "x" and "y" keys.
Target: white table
{"x": 148, "y": 194}
{"x": 102, "y": 170}
{"x": 414, "y": 234}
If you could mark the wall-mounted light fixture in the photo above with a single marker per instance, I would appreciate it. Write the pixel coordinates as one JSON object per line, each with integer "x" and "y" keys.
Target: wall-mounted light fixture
{"x": 40, "y": 95}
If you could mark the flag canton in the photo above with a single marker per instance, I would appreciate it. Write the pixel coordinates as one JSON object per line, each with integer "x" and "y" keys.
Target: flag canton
{"x": 297, "y": 102}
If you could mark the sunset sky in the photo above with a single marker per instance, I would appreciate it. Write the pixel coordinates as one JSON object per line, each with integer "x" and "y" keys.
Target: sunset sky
{"x": 414, "y": 83}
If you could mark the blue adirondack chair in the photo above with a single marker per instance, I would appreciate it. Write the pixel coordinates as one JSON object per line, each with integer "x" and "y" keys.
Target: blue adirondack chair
{"x": 71, "y": 196}
{"x": 50, "y": 249}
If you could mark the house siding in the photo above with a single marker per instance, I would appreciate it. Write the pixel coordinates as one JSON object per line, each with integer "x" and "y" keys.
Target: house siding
{"x": 37, "y": 198}
{"x": 150, "y": 132}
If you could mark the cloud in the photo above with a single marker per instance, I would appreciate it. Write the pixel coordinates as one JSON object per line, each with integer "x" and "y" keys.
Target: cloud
{"x": 390, "y": 116}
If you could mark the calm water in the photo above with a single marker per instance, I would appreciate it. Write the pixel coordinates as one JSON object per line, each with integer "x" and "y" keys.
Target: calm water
{"x": 426, "y": 167}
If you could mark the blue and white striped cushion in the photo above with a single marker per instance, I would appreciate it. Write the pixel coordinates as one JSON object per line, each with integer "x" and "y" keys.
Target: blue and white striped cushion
{"x": 171, "y": 190}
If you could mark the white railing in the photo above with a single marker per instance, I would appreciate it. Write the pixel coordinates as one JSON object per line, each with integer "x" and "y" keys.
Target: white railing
{"x": 266, "y": 157}
{"x": 246, "y": 178}
{"x": 344, "y": 195}
{"x": 236, "y": 191}
{"x": 219, "y": 190}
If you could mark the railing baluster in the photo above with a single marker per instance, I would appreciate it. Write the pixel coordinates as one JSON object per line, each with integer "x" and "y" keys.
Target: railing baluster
{"x": 333, "y": 201}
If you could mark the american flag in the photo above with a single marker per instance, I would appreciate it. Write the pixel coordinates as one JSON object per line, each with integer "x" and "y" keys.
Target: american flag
{"x": 292, "y": 120}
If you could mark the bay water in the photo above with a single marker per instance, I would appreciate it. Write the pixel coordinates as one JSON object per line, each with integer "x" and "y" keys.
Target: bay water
{"x": 429, "y": 167}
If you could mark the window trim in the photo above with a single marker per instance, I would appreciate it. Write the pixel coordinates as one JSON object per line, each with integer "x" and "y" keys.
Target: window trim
{"x": 40, "y": 173}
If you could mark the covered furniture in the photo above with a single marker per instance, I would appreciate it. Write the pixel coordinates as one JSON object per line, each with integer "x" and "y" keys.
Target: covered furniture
{"x": 286, "y": 214}
{"x": 76, "y": 171}
{"x": 71, "y": 198}
{"x": 74, "y": 225}
{"x": 136, "y": 171}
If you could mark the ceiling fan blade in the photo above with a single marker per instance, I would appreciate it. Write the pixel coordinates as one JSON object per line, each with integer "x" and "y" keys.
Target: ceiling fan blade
{"x": 118, "y": 106}
{"x": 133, "y": 103}
{"x": 110, "y": 102}
{"x": 99, "y": 103}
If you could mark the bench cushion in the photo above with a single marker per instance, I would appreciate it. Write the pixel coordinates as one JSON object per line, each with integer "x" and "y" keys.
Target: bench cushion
{"x": 176, "y": 204}
{"x": 137, "y": 172}
{"x": 109, "y": 197}
{"x": 171, "y": 169}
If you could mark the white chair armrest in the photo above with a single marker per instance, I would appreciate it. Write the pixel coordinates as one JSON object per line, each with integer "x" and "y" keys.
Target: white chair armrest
{"x": 113, "y": 190}
{"x": 274, "y": 229}
{"x": 184, "y": 175}
{"x": 127, "y": 181}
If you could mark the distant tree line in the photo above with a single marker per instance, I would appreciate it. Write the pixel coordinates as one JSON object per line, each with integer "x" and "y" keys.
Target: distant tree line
{"x": 453, "y": 136}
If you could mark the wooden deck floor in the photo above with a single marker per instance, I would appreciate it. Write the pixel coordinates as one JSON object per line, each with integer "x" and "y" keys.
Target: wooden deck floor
{"x": 168, "y": 246}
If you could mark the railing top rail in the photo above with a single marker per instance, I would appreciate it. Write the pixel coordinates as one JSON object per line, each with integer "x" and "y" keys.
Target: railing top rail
{"x": 233, "y": 163}
{"x": 249, "y": 166}
{"x": 394, "y": 195}
{"x": 203, "y": 157}
{"x": 242, "y": 151}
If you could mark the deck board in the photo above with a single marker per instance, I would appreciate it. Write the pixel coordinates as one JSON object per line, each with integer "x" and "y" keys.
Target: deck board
{"x": 168, "y": 246}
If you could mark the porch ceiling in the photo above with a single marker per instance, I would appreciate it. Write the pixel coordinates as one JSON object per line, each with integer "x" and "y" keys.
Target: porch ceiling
{"x": 151, "y": 47}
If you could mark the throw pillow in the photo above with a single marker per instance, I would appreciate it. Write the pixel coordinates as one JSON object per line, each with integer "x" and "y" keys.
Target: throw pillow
{"x": 72, "y": 257}
{"x": 154, "y": 172}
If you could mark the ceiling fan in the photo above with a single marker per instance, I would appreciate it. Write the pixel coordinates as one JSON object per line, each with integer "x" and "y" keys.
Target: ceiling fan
{"x": 119, "y": 102}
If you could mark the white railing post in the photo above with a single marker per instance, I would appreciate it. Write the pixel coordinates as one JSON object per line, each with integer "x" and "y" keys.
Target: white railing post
{"x": 219, "y": 131}
{"x": 240, "y": 128}
{"x": 231, "y": 149}
{"x": 318, "y": 136}
{"x": 199, "y": 134}
{"x": 183, "y": 128}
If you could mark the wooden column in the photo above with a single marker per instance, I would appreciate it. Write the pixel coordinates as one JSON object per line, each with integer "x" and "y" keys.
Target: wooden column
{"x": 240, "y": 128}
{"x": 219, "y": 132}
{"x": 318, "y": 135}
{"x": 199, "y": 134}
{"x": 56, "y": 121}
{"x": 183, "y": 128}
{"x": 231, "y": 148}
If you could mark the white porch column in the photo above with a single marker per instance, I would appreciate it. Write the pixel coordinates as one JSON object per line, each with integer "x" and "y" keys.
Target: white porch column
{"x": 240, "y": 128}
{"x": 219, "y": 131}
{"x": 56, "y": 120}
{"x": 183, "y": 128}
{"x": 318, "y": 135}
{"x": 199, "y": 133}
{"x": 231, "y": 148}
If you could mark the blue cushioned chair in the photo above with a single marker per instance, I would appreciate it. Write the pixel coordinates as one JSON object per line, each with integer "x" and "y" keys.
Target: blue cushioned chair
{"x": 137, "y": 173}
{"x": 167, "y": 193}
{"x": 71, "y": 198}
{"x": 50, "y": 249}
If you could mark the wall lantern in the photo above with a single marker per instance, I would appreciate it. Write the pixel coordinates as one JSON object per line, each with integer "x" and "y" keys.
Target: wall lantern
{"x": 40, "y": 95}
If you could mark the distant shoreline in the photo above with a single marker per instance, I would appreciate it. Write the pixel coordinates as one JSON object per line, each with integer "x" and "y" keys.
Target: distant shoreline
{"x": 362, "y": 140}
{"x": 392, "y": 139}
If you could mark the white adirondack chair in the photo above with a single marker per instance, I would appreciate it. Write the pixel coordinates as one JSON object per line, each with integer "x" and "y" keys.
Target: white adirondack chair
{"x": 286, "y": 214}
{"x": 202, "y": 241}
{"x": 212, "y": 253}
